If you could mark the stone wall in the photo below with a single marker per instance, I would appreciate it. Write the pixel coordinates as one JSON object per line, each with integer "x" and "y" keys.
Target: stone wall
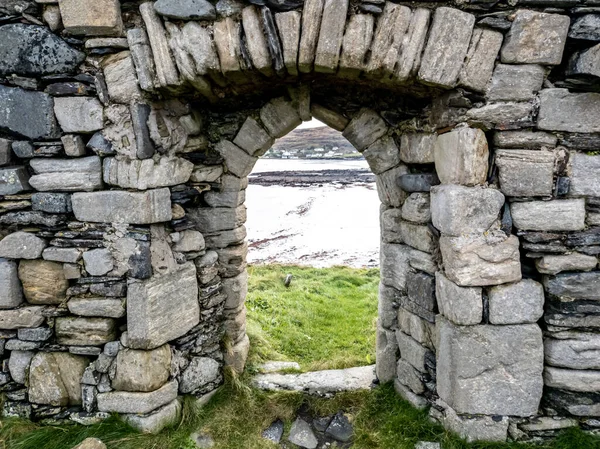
{"x": 127, "y": 132}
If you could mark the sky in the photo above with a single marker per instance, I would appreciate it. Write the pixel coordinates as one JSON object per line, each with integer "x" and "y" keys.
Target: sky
{"x": 314, "y": 123}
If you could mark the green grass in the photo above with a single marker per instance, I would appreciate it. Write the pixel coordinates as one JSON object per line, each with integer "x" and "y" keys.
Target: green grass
{"x": 325, "y": 320}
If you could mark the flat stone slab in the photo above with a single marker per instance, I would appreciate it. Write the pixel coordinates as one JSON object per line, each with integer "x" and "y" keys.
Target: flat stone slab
{"x": 319, "y": 382}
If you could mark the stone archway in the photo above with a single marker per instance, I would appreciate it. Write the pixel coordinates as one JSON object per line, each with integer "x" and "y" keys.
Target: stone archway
{"x": 124, "y": 180}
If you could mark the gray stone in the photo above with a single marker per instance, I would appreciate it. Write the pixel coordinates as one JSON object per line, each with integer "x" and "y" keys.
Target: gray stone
{"x": 531, "y": 140}
{"x": 35, "y": 334}
{"x": 11, "y": 293}
{"x": 202, "y": 440}
{"x": 516, "y": 82}
{"x": 5, "y": 151}
{"x": 390, "y": 193}
{"x": 447, "y": 46}
{"x": 156, "y": 421}
{"x": 458, "y": 210}
{"x": 17, "y": 345}
{"x": 390, "y": 225}
{"x": 584, "y": 381}
{"x": 79, "y": 114}
{"x": 150, "y": 318}
{"x": 526, "y": 173}
{"x": 386, "y": 355}
{"x": 14, "y": 180}
{"x": 417, "y": 208}
{"x": 236, "y": 357}
{"x": 382, "y": 155}
{"x": 418, "y": 236}
{"x": 329, "y": 117}
{"x": 274, "y": 432}
{"x": 417, "y": 182}
{"x": 409, "y": 58}
{"x": 479, "y": 260}
{"x": 238, "y": 162}
{"x": 574, "y": 285}
{"x": 561, "y": 110}
{"x": 419, "y": 329}
{"x": 52, "y": 56}
{"x": 521, "y": 302}
{"x": 364, "y": 129}
{"x": 73, "y": 145}
{"x": 188, "y": 241}
{"x": 340, "y": 428}
{"x": 427, "y": 445}
{"x": 422, "y": 261}
{"x": 214, "y": 219}
{"x": 91, "y": 443}
{"x": 103, "y": 18}
{"x": 256, "y": 42}
{"x": 418, "y": 402}
{"x": 142, "y": 371}
{"x": 186, "y": 9}
{"x": 18, "y": 365}
{"x": 27, "y": 114}
{"x": 481, "y": 56}
{"x": 417, "y": 148}
{"x": 120, "y": 78}
{"x": 200, "y": 372}
{"x": 535, "y": 38}
{"x": 206, "y": 173}
{"x": 501, "y": 115}
{"x": 585, "y": 174}
{"x": 288, "y": 24}
{"x": 420, "y": 289}
{"x": 394, "y": 265}
{"x": 76, "y": 331}
{"x": 575, "y": 350}
{"x": 152, "y": 206}
{"x": 302, "y": 435}
{"x": 279, "y": 117}
{"x": 141, "y": 54}
{"x": 54, "y": 378}
{"x": 148, "y": 173}
{"x": 585, "y": 27}
{"x": 461, "y": 157}
{"x": 83, "y": 174}
{"x": 412, "y": 351}
{"x": 227, "y": 41}
{"x": 24, "y": 317}
{"x": 253, "y": 139}
{"x": 557, "y": 215}
{"x": 355, "y": 47}
{"x": 43, "y": 282}
{"x": 333, "y": 23}
{"x": 490, "y": 370}
{"x": 554, "y": 264}
{"x": 475, "y": 428}
{"x": 312, "y": 14}
{"x": 66, "y": 255}
{"x": 136, "y": 402}
{"x": 97, "y": 307}
{"x": 407, "y": 375}
{"x": 461, "y": 305}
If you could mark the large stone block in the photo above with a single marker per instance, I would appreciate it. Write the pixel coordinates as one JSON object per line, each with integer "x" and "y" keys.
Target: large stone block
{"x": 66, "y": 175}
{"x": 22, "y": 245}
{"x": 526, "y": 173}
{"x": 536, "y": 38}
{"x": 288, "y": 24}
{"x": 418, "y": 148}
{"x": 458, "y": 210}
{"x": 364, "y": 129}
{"x": 200, "y": 372}
{"x": 121, "y": 79}
{"x": 76, "y": 331}
{"x": 253, "y": 139}
{"x": 389, "y": 222}
{"x": 92, "y": 18}
{"x": 152, "y": 206}
{"x": 475, "y": 428}
{"x": 574, "y": 285}
{"x": 461, "y": 305}
{"x": 574, "y": 350}
{"x": 142, "y": 371}
{"x": 54, "y": 378}
{"x": 585, "y": 175}
{"x": 557, "y": 215}
{"x": 479, "y": 63}
{"x": 521, "y": 302}
{"x": 412, "y": 351}
{"x": 418, "y": 236}
{"x": 79, "y": 114}
{"x": 279, "y": 117}
{"x": 136, "y": 402}
{"x": 516, "y": 82}
{"x": 11, "y": 293}
{"x": 333, "y": 23}
{"x": 413, "y": 44}
{"x": 420, "y": 289}
{"x": 155, "y": 304}
{"x": 27, "y": 114}
{"x": 388, "y": 189}
{"x": 530, "y": 140}
{"x": 418, "y": 328}
{"x": 256, "y": 40}
{"x": 238, "y": 161}
{"x": 461, "y": 157}
{"x": 554, "y": 264}
{"x": 584, "y": 381}
{"x": 148, "y": 173}
{"x": 312, "y": 14}
{"x": 216, "y": 219}
{"x": 382, "y": 155}
{"x": 447, "y": 46}
{"x": 417, "y": 208}
{"x": 157, "y": 420}
{"x": 407, "y": 375}
{"x": 561, "y": 110}
{"x": 186, "y": 9}
{"x": 22, "y": 318}
{"x": 490, "y": 370}
{"x": 356, "y": 45}
{"x": 490, "y": 259}
{"x": 97, "y": 307}
{"x": 18, "y": 365}
{"x": 394, "y": 265}
{"x": 43, "y": 281}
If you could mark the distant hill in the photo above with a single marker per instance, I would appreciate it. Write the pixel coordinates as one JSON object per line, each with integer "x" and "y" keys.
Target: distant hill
{"x": 313, "y": 143}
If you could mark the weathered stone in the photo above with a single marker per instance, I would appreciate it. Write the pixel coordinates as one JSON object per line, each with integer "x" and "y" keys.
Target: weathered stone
{"x": 447, "y": 46}
{"x": 253, "y": 139}
{"x": 97, "y": 307}
{"x": 394, "y": 265}
{"x": 417, "y": 148}
{"x": 43, "y": 281}
{"x": 420, "y": 289}
{"x": 417, "y": 182}
{"x": 584, "y": 381}
{"x": 561, "y": 110}
{"x": 531, "y": 140}
{"x": 150, "y": 318}
{"x": 461, "y": 157}
{"x": 288, "y": 24}
{"x": 574, "y": 285}
{"x": 476, "y": 428}
{"x": 79, "y": 114}
{"x": 412, "y": 47}
{"x": 356, "y": 44}
{"x": 35, "y": 334}
{"x": 419, "y": 329}
{"x": 120, "y": 78}
{"x": 53, "y": 203}
{"x": 490, "y": 370}
{"x": 82, "y": 174}
{"x": 18, "y": 365}
{"x": 5, "y": 151}
{"x": 417, "y": 401}
{"x": 73, "y": 145}
{"x": 331, "y": 35}
{"x": 11, "y": 293}
{"x": 329, "y": 117}
{"x": 54, "y": 378}
{"x": 27, "y": 114}
{"x": 576, "y": 350}
{"x": 53, "y": 54}
{"x": 141, "y": 55}
{"x": 411, "y": 351}
{"x": 142, "y": 371}
{"x": 490, "y": 259}
{"x": 557, "y": 215}
{"x": 340, "y": 428}
{"x": 135, "y": 402}
{"x": 21, "y": 245}
{"x": 77, "y": 331}
{"x": 535, "y": 38}
{"x": 554, "y": 264}
{"x": 390, "y": 225}
{"x": 382, "y": 155}
{"x": 148, "y": 173}
{"x": 364, "y": 129}
{"x": 155, "y": 421}
{"x": 238, "y": 162}
{"x": 585, "y": 172}
{"x": 71, "y": 271}
{"x": 312, "y": 14}
{"x": 420, "y": 260}
{"x": 386, "y": 355}
{"x": 481, "y": 56}
{"x": 418, "y": 236}
{"x": 409, "y": 376}
{"x": 91, "y": 443}
{"x": 274, "y": 432}
{"x": 526, "y": 173}
{"x": 188, "y": 241}
{"x": 102, "y": 18}
{"x": 21, "y": 318}
{"x": 200, "y": 372}
{"x": 279, "y": 117}
{"x": 585, "y": 27}
{"x": 186, "y": 9}
{"x": 501, "y": 115}
{"x": 521, "y": 302}
{"x": 461, "y": 305}
{"x": 207, "y": 173}
{"x": 302, "y": 435}
{"x": 516, "y": 82}
{"x": 215, "y": 219}
{"x": 458, "y": 210}
{"x": 417, "y": 208}
{"x": 152, "y": 206}
{"x": 227, "y": 41}
{"x": 256, "y": 41}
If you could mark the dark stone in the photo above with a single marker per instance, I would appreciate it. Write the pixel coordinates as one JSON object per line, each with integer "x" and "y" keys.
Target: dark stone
{"x": 589, "y": 250}
{"x": 284, "y": 5}
{"x": 101, "y": 89}
{"x": 17, "y": 7}
{"x": 139, "y": 118}
{"x": 140, "y": 262}
{"x": 34, "y": 50}
{"x": 421, "y": 289}
{"x": 540, "y": 237}
{"x": 23, "y": 149}
{"x": 562, "y": 400}
{"x": 186, "y": 9}
{"x": 507, "y": 222}
{"x": 563, "y": 184}
{"x": 72, "y": 88}
{"x": 574, "y": 285}
{"x": 498, "y": 23}
{"x": 227, "y": 8}
{"x": 111, "y": 289}
{"x": 321, "y": 424}
{"x": 551, "y": 248}
{"x": 27, "y": 114}
{"x": 53, "y": 203}
{"x": 274, "y": 432}
{"x": 77, "y": 243}
{"x": 99, "y": 145}
{"x": 26, "y": 218}
{"x": 586, "y": 27}
{"x": 415, "y": 308}
{"x": 273, "y": 42}
{"x": 584, "y": 238}
{"x": 371, "y": 9}
{"x": 340, "y": 428}
{"x": 418, "y": 182}
{"x": 578, "y": 141}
